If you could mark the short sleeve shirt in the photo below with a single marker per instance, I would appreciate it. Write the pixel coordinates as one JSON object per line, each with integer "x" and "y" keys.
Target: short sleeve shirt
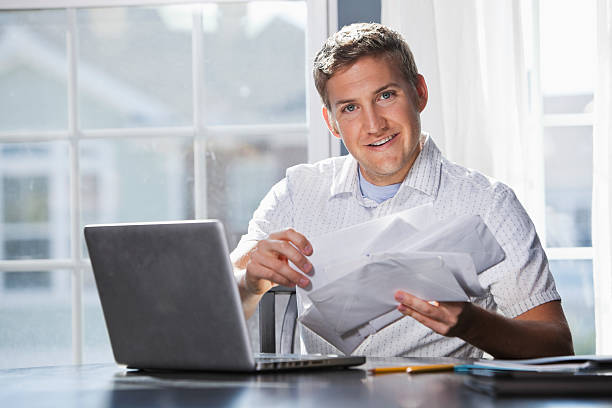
{"x": 319, "y": 198}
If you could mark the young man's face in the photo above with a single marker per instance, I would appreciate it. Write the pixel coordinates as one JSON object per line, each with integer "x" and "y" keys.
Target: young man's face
{"x": 376, "y": 113}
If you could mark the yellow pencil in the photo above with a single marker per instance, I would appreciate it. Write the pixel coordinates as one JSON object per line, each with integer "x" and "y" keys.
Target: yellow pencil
{"x": 413, "y": 369}
{"x": 430, "y": 368}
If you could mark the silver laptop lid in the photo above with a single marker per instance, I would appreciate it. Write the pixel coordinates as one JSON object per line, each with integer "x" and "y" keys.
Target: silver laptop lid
{"x": 169, "y": 296}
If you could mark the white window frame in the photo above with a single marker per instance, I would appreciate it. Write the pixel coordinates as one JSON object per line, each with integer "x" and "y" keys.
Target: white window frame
{"x": 321, "y": 20}
{"x": 555, "y": 120}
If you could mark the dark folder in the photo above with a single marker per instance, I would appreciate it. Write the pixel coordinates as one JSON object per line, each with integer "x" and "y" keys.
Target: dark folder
{"x": 518, "y": 383}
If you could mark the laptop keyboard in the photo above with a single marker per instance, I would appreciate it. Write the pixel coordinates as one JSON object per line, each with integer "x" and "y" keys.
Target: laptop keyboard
{"x": 267, "y": 361}
{"x": 280, "y": 358}
{"x": 298, "y": 359}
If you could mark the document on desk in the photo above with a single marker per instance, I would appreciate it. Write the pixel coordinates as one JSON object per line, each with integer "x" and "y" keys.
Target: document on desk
{"x": 357, "y": 270}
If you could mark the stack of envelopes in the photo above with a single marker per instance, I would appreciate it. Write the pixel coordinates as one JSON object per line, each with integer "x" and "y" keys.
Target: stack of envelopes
{"x": 357, "y": 270}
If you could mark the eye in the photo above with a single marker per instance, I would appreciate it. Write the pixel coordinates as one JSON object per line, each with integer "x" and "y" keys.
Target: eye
{"x": 349, "y": 108}
{"x": 386, "y": 95}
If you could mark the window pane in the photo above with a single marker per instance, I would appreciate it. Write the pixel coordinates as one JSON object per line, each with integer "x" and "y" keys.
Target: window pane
{"x": 134, "y": 67}
{"x": 33, "y": 70}
{"x": 574, "y": 281}
{"x": 96, "y": 344}
{"x": 568, "y": 44}
{"x": 35, "y": 317}
{"x": 134, "y": 180}
{"x": 559, "y": 104}
{"x": 262, "y": 79}
{"x": 568, "y": 161}
{"x": 241, "y": 170}
{"x": 34, "y": 199}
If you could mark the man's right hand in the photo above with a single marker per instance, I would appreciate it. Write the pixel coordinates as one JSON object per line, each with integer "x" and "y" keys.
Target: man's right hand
{"x": 268, "y": 263}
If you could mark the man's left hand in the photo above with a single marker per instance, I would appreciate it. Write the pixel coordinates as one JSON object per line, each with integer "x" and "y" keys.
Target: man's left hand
{"x": 450, "y": 319}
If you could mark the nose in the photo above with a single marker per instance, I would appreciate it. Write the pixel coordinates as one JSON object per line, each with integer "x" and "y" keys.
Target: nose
{"x": 374, "y": 122}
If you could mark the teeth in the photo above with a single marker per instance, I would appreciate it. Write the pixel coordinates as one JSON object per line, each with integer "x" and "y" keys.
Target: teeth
{"x": 381, "y": 142}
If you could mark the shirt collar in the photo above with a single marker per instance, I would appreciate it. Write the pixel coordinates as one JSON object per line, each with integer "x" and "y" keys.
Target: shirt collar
{"x": 424, "y": 175}
{"x": 345, "y": 177}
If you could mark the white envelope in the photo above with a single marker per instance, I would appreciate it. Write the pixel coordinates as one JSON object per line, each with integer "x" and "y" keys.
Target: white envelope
{"x": 351, "y": 291}
{"x": 466, "y": 233}
{"x": 349, "y": 243}
{"x": 348, "y": 342}
{"x": 386, "y": 238}
{"x": 368, "y": 291}
{"x": 318, "y": 324}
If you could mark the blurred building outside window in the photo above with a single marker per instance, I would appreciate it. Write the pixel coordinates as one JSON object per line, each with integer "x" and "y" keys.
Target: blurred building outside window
{"x": 130, "y": 114}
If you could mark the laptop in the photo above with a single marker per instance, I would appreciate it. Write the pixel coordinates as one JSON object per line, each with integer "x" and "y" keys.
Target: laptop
{"x": 171, "y": 302}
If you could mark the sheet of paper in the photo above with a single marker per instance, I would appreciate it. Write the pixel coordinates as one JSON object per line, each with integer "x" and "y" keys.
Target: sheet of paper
{"x": 512, "y": 366}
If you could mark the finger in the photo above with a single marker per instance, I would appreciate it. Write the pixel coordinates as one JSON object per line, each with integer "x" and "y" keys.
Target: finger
{"x": 283, "y": 269}
{"x": 419, "y": 305}
{"x": 295, "y": 238}
{"x": 288, "y": 251}
{"x": 256, "y": 279}
{"x": 259, "y": 271}
{"x": 433, "y": 324}
{"x": 279, "y": 266}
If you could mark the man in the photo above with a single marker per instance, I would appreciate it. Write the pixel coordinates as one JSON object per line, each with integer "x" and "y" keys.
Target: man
{"x": 373, "y": 96}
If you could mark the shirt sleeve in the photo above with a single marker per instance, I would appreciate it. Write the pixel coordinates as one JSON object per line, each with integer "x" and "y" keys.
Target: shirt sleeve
{"x": 273, "y": 214}
{"x": 523, "y": 280}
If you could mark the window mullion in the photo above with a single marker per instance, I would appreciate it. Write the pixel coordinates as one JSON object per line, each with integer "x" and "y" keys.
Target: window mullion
{"x": 568, "y": 119}
{"x": 320, "y": 143}
{"x": 81, "y": 4}
{"x": 199, "y": 138}
{"x": 29, "y": 265}
{"x": 569, "y": 253}
{"x": 335, "y": 146}
{"x": 34, "y": 136}
{"x": 75, "y": 235}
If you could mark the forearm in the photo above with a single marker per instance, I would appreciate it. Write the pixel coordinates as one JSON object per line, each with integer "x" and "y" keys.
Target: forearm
{"x": 516, "y": 338}
{"x": 248, "y": 299}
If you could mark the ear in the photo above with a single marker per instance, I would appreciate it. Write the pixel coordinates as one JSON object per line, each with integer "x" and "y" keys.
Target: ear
{"x": 331, "y": 123}
{"x": 421, "y": 92}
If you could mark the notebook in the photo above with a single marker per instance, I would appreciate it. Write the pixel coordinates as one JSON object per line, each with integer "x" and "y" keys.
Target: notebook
{"x": 524, "y": 383}
{"x": 171, "y": 302}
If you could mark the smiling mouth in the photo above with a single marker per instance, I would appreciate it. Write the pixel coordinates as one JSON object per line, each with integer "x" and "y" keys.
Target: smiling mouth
{"x": 383, "y": 141}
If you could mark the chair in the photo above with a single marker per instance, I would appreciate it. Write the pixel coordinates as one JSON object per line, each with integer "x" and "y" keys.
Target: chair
{"x": 267, "y": 321}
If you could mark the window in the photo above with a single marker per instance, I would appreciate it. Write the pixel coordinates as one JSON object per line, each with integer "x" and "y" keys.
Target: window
{"x": 568, "y": 62}
{"x": 136, "y": 113}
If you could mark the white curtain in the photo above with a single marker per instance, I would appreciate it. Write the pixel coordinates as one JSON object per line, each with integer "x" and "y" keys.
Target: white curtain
{"x": 472, "y": 56}
{"x": 602, "y": 179}
{"x": 480, "y": 113}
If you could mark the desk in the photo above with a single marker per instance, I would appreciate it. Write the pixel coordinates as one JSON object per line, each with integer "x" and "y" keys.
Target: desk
{"x": 109, "y": 385}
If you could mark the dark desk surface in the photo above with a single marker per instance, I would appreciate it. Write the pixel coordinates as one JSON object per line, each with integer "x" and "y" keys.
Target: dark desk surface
{"x": 108, "y": 385}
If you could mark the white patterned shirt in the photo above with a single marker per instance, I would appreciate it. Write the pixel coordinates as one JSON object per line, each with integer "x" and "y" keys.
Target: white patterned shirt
{"x": 316, "y": 199}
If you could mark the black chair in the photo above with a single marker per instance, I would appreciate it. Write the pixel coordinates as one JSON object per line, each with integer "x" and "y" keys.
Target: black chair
{"x": 267, "y": 321}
